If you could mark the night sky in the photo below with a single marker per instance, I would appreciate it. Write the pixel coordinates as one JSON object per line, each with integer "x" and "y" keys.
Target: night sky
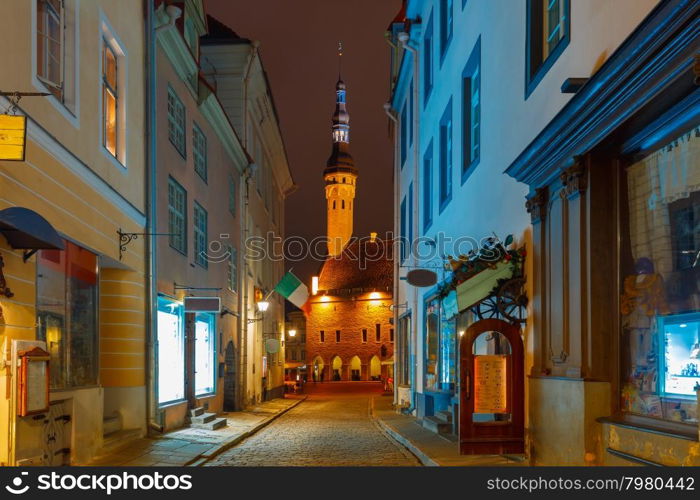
{"x": 298, "y": 46}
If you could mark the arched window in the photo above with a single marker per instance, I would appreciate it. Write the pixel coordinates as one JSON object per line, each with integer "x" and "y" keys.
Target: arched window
{"x": 333, "y": 204}
{"x": 344, "y": 180}
{"x": 342, "y": 204}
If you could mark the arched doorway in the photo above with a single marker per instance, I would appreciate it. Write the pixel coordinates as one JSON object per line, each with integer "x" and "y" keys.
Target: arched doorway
{"x": 375, "y": 368}
{"x": 492, "y": 412}
{"x": 317, "y": 369}
{"x": 337, "y": 365}
{"x": 355, "y": 368}
{"x": 230, "y": 378}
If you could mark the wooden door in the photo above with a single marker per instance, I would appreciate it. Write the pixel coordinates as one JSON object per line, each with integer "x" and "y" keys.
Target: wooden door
{"x": 492, "y": 409}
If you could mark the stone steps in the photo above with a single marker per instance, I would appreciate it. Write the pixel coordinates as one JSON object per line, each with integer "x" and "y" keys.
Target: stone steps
{"x": 199, "y": 419}
{"x": 437, "y": 425}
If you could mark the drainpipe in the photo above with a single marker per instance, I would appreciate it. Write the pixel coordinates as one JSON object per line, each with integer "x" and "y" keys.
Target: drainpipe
{"x": 243, "y": 295}
{"x": 151, "y": 227}
{"x": 397, "y": 258}
{"x": 404, "y": 38}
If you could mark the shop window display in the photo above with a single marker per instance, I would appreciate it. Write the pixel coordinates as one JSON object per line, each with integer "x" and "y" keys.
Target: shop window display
{"x": 660, "y": 302}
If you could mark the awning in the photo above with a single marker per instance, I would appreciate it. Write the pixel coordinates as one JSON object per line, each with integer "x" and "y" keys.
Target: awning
{"x": 479, "y": 286}
{"x": 27, "y": 230}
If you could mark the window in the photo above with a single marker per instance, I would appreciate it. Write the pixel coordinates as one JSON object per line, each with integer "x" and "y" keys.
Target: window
{"x": 403, "y": 135}
{"x": 67, "y": 297}
{"x": 548, "y": 23}
{"x": 364, "y": 335}
{"x": 199, "y": 151}
{"x": 428, "y": 60}
{"x": 432, "y": 334}
{"x": 200, "y": 236}
{"x": 50, "y": 47}
{"x": 171, "y": 351}
{"x": 660, "y": 297}
{"x": 410, "y": 112}
{"x": 403, "y": 351}
{"x": 410, "y": 219}
{"x": 471, "y": 112}
{"x": 303, "y": 338}
{"x": 378, "y": 332}
{"x": 446, "y": 157}
{"x": 204, "y": 353}
{"x": 232, "y": 195}
{"x": 391, "y": 334}
{"x": 404, "y": 244}
{"x": 302, "y": 356}
{"x": 293, "y": 354}
{"x": 333, "y": 204}
{"x": 342, "y": 204}
{"x": 337, "y": 335}
{"x": 232, "y": 269}
{"x": 110, "y": 98}
{"x": 322, "y": 336}
{"x": 176, "y": 122}
{"x": 177, "y": 218}
{"x": 428, "y": 187}
{"x": 446, "y": 10}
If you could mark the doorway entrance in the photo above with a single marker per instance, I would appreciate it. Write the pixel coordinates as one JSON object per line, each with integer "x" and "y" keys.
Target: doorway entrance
{"x": 492, "y": 405}
{"x": 229, "y": 378}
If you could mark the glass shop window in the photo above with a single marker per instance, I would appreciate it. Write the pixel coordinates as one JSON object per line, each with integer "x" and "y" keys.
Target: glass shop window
{"x": 660, "y": 303}
{"x": 204, "y": 352}
{"x": 67, "y": 292}
{"x": 448, "y": 348}
{"x": 432, "y": 324}
{"x": 171, "y": 351}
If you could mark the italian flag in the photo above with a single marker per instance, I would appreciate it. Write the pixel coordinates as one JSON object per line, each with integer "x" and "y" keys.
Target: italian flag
{"x": 292, "y": 289}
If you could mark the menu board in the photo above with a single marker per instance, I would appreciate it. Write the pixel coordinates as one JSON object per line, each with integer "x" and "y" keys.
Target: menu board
{"x": 490, "y": 384}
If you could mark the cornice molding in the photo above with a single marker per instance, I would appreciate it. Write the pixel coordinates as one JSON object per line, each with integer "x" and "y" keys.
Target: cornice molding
{"x": 536, "y": 205}
{"x": 658, "y": 52}
{"x": 574, "y": 179}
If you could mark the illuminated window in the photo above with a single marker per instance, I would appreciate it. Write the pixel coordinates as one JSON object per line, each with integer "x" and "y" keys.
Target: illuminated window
{"x": 110, "y": 98}
{"x": 199, "y": 151}
{"x": 547, "y": 36}
{"x": 177, "y": 216}
{"x": 176, "y": 122}
{"x": 171, "y": 351}
{"x": 200, "y": 236}
{"x": 204, "y": 353}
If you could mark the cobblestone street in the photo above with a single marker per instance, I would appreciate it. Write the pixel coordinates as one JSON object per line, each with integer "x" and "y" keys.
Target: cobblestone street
{"x": 333, "y": 427}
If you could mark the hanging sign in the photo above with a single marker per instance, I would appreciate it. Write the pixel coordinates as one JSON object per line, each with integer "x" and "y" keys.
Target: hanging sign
{"x": 202, "y": 304}
{"x": 490, "y": 384}
{"x": 13, "y": 137}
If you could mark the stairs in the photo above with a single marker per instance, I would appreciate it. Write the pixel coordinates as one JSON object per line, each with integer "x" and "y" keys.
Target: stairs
{"x": 199, "y": 419}
{"x": 440, "y": 423}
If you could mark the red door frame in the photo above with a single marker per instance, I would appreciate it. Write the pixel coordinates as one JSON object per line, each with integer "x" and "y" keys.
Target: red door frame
{"x": 492, "y": 438}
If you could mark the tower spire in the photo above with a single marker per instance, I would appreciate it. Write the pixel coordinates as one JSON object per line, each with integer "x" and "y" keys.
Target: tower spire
{"x": 340, "y": 59}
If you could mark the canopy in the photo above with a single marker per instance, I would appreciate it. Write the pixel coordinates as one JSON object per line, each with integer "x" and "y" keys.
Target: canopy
{"x": 28, "y": 230}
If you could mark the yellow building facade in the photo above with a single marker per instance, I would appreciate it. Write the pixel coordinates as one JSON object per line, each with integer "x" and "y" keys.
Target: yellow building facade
{"x": 83, "y": 173}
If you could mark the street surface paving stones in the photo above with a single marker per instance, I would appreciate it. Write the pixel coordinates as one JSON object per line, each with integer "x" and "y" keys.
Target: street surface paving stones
{"x": 333, "y": 427}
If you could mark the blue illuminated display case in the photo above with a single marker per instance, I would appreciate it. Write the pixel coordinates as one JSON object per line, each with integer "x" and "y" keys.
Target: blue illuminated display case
{"x": 680, "y": 355}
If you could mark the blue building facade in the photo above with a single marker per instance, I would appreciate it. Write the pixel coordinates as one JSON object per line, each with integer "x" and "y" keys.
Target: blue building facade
{"x": 483, "y": 94}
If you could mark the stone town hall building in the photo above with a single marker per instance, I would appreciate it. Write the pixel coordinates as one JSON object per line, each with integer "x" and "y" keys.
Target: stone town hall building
{"x": 349, "y": 335}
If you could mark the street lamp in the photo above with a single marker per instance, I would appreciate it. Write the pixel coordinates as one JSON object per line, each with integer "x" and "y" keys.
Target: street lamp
{"x": 263, "y": 305}
{"x": 292, "y": 333}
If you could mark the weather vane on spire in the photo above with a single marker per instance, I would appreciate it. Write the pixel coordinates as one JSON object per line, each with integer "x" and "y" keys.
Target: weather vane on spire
{"x": 340, "y": 57}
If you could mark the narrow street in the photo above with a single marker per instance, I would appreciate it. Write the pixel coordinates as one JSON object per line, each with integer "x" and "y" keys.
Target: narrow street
{"x": 333, "y": 427}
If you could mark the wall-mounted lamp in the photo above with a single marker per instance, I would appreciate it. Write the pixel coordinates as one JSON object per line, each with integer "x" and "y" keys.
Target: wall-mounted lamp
{"x": 263, "y": 305}
{"x": 292, "y": 333}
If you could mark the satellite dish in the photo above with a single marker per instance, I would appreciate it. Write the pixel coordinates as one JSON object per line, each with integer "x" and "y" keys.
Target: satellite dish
{"x": 421, "y": 277}
{"x": 272, "y": 346}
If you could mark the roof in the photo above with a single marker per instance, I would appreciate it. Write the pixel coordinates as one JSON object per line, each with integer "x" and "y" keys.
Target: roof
{"x": 363, "y": 264}
{"x": 340, "y": 160}
{"x": 219, "y": 33}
